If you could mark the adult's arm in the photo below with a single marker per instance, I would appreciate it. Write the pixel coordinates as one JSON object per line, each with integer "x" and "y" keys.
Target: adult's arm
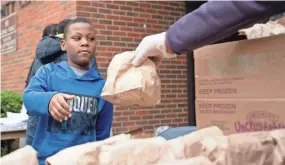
{"x": 215, "y": 20}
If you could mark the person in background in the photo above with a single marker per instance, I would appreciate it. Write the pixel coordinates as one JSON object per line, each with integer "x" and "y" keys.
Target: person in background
{"x": 48, "y": 49}
{"x": 69, "y": 112}
{"x": 50, "y": 30}
{"x": 208, "y": 24}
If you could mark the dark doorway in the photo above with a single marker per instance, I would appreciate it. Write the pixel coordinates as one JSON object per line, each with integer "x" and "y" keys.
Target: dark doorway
{"x": 189, "y": 7}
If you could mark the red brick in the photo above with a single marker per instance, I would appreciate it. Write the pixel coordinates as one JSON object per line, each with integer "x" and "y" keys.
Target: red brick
{"x": 128, "y": 113}
{"x": 106, "y": 43}
{"x": 174, "y": 4}
{"x": 126, "y": 28}
{"x": 130, "y": 3}
{"x": 173, "y": 115}
{"x": 168, "y": 8}
{"x": 120, "y": 33}
{"x": 145, "y": 15}
{"x": 140, "y": 112}
{"x": 114, "y": 49}
{"x": 97, "y": 4}
{"x": 138, "y": 9}
{"x": 151, "y": 11}
{"x": 132, "y": 24}
{"x": 123, "y": 18}
{"x": 133, "y": 14}
{"x": 100, "y": 37}
{"x": 120, "y": 130}
{"x": 165, "y": 121}
{"x": 113, "y": 17}
{"x": 112, "y": 38}
{"x": 121, "y": 44}
{"x": 135, "y": 118}
{"x": 83, "y": 14}
{"x": 84, "y": 3}
{"x": 156, "y": 6}
{"x": 159, "y": 116}
{"x": 105, "y": 11}
{"x": 154, "y": 122}
{"x": 121, "y": 23}
{"x": 147, "y": 117}
{"x": 98, "y": 15}
{"x": 89, "y": 9}
{"x": 110, "y": 6}
{"x": 129, "y": 123}
{"x": 117, "y": 124}
{"x": 127, "y": 39}
{"x": 145, "y": 5}
{"x": 133, "y": 35}
{"x": 177, "y": 120}
{"x": 102, "y": 60}
{"x": 154, "y": 112}
{"x": 108, "y": 22}
{"x": 126, "y": 8}
{"x": 119, "y": 2}
{"x": 100, "y": 26}
{"x": 105, "y": 32}
{"x": 141, "y": 122}
{"x": 164, "y": 3}
{"x": 175, "y": 14}
{"x": 182, "y": 115}
{"x": 118, "y": 12}
{"x": 139, "y": 20}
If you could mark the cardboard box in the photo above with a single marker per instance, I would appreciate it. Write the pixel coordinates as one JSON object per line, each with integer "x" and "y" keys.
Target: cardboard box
{"x": 233, "y": 116}
{"x": 248, "y": 69}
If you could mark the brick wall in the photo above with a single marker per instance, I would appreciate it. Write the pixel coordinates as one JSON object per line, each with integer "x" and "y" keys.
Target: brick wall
{"x": 31, "y": 20}
{"x": 120, "y": 26}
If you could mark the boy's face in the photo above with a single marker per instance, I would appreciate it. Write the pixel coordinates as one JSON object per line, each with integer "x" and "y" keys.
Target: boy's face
{"x": 79, "y": 44}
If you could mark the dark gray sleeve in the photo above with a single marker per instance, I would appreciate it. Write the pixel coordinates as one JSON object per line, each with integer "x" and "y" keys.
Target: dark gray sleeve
{"x": 33, "y": 69}
{"x": 216, "y": 20}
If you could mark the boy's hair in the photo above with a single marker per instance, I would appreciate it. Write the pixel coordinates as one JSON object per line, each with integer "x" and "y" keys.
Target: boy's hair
{"x": 61, "y": 25}
{"x": 76, "y": 20}
{"x": 50, "y": 30}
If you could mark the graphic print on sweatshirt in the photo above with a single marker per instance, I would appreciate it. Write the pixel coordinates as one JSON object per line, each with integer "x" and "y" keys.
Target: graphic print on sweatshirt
{"x": 84, "y": 112}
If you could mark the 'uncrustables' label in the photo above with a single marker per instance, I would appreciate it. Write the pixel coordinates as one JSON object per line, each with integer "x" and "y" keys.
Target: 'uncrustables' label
{"x": 259, "y": 121}
{"x": 241, "y": 115}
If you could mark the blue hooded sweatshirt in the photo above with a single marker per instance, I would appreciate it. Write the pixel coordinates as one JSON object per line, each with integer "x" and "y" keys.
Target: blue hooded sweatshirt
{"x": 91, "y": 115}
{"x": 48, "y": 50}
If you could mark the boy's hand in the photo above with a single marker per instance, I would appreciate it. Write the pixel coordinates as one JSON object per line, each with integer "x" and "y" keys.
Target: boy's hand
{"x": 59, "y": 108}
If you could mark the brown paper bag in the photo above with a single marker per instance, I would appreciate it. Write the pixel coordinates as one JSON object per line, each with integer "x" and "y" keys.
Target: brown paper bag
{"x": 87, "y": 152}
{"x": 23, "y": 156}
{"x": 192, "y": 147}
{"x": 199, "y": 160}
{"x": 127, "y": 85}
{"x": 263, "y": 30}
{"x": 245, "y": 148}
{"x": 136, "y": 152}
{"x": 279, "y": 151}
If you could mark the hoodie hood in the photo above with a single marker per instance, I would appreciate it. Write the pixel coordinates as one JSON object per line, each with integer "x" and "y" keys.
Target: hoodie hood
{"x": 91, "y": 75}
{"x": 49, "y": 49}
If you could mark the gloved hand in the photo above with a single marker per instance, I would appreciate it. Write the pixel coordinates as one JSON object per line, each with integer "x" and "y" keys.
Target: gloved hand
{"x": 153, "y": 47}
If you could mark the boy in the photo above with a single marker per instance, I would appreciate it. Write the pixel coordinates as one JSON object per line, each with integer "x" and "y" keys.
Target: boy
{"x": 66, "y": 96}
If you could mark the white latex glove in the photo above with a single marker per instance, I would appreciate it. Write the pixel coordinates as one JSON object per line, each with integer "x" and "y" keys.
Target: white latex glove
{"x": 153, "y": 47}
